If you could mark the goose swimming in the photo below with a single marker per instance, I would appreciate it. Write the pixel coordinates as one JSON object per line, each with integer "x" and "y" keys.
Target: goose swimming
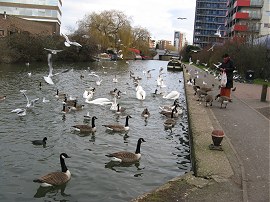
{"x": 56, "y": 178}
{"x": 127, "y": 157}
{"x": 118, "y": 127}
{"x": 86, "y": 128}
{"x": 39, "y": 142}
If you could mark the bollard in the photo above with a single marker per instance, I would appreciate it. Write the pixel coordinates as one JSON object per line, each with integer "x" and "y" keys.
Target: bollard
{"x": 264, "y": 92}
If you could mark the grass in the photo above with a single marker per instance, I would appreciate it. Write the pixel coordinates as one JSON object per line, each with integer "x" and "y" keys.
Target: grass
{"x": 261, "y": 82}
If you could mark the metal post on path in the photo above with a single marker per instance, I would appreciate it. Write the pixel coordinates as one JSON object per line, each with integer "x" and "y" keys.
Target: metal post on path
{"x": 264, "y": 92}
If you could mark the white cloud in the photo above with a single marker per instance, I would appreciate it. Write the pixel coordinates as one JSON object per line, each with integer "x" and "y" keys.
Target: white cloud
{"x": 158, "y": 17}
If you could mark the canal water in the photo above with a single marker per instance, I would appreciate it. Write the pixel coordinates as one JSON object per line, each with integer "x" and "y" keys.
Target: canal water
{"x": 165, "y": 154}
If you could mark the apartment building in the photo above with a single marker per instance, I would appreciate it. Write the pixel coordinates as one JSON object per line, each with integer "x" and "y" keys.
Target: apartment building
{"x": 209, "y": 22}
{"x": 179, "y": 40}
{"x": 46, "y": 12}
{"x": 247, "y": 19}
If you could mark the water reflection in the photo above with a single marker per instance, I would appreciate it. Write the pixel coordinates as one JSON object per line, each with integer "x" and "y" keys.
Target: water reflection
{"x": 113, "y": 165}
{"x": 52, "y": 191}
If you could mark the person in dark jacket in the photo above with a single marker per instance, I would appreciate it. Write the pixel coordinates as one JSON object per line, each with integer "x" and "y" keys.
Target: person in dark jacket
{"x": 228, "y": 67}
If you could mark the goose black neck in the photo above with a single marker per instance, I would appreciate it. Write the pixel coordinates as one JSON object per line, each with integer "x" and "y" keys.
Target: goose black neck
{"x": 126, "y": 121}
{"x": 63, "y": 164}
{"x": 64, "y": 107}
{"x": 93, "y": 122}
{"x": 138, "y": 148}
{"x": 75, "y": 104}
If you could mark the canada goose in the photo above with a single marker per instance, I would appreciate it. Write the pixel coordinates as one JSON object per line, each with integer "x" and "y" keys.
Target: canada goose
{"x": 118, "y": 96}
{"x": 65, "y": 109}
{"x": 155, "y": 93}
{"x": 76, "y": 107}
{"x": 201, "y": 94}
{"x": 60, "y": 95}
{"x": 120, "y": 109}
{"x": 87, "y": 128}
{"x": 208, "y": 100}
{"x": 170, "y": 122}
{"x": 56, "y": 178}
{"x": 39, "y": 142}
{"x": 2, "y": 97}
{"x": 145, "y": 113}
{"x": 169, "y": 113}
{"x": 234, "y": 89}
{"x": 69, "y": 102}
{"x": 223, "y": 100}
{"x": 169, "y": 107}
{"x": 127, "y": 157}
{"x": 118, "y": 127}
{"x": 113, "y": 92}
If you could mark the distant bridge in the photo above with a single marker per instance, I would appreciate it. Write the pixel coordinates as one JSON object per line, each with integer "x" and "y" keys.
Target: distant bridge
{"x": 165, "y": 55}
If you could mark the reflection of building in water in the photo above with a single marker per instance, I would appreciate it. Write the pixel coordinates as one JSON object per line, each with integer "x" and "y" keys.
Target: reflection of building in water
{"x": 45, "y": 12}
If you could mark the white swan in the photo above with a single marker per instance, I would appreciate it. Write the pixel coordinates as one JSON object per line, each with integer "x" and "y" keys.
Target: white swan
{"x": 99, "y": 101}
{"x": 140, "y": 94}
{"x": 172, "y": 95}
{"x": 114, "y": 105}
{"x": 159, "y": 80}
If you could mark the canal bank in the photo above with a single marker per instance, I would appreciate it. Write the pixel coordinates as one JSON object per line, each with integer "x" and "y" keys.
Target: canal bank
{"x": 217, "y": 175}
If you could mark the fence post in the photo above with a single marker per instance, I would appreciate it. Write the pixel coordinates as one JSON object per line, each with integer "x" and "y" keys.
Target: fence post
{"x": 264, "y": 92}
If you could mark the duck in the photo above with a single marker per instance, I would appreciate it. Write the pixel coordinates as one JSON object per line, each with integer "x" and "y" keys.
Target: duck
{"x": 39, "y": 142}
{"x": 120, "y": 109}
{"x": 3, "y": 97}
{"x": 145, "y": 113}
{"x": 127, "y": 157}
{"x": 172, "y": 95}
{"x": 60, "y": 95}
{"x": 87, "y": 128}
{"x": 44, "y": 100}
{"x": 56, "y": 178}
{"x": 224, "y": 100}
{"x": 65, "y": 108}
{"x": 115, "y": 80}
{"x": 99, "y": 101}
{"x": 118, "y": 127}
{"x": 76, "y": 107}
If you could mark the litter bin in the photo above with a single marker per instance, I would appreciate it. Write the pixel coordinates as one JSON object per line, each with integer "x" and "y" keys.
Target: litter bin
{"x": 250, "y": 75}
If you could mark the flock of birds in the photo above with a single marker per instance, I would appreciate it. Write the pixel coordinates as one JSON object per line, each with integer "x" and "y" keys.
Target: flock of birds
{"x": 171, "y": 112}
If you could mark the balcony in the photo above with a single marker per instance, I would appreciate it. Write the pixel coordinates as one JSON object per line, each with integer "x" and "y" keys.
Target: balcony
{"x": 241, "y": 3}
{"x": 256, "y": 3}
{"x": 241, "y": 15}
{"x": 240, "y": 28}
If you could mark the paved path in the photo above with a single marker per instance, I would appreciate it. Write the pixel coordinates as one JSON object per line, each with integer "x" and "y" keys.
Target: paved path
{"x": 245, "y": 122}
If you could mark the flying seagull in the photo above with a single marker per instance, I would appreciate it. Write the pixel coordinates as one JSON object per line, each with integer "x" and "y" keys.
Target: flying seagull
{"x": 68, "y": 43}
{"x": 53, "y": 51}
{"x": 180, "y": 18}
{"x": 218, "y": 32}
{"x": 48, "y": 78}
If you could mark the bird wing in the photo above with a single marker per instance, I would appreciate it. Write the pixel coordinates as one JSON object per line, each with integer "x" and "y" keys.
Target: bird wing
{"x": 55, "y": 178}
{"x": 124, "y": 156}
{"x": 26, "y": 98}
{"x": 67, "y": 39}
{"x": 76, "y": 44}
{"x": 33, "y": 101}
{"x": 50, "y": 65}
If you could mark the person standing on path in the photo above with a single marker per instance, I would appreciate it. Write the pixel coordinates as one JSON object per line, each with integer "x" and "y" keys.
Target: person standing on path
{"x": 227, "y": 66}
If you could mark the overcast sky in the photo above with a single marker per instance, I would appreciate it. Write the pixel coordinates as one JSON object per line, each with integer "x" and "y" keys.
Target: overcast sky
{"x": 159, "y": 17}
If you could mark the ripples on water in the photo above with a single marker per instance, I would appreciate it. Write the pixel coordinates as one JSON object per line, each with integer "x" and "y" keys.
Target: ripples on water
{"x": 164, "y": 154}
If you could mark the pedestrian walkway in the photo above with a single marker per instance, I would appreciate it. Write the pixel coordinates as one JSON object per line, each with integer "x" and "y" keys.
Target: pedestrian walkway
{"x": 241, "y": 171}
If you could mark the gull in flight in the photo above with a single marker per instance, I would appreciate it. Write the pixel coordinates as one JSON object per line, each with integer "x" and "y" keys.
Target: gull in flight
{"x": 180, "y": 18}
{"x": 29, "y": 103}
{"x": 48, "y": 78}
{"x": 53, "y": 51}
{"x": 68, "y": 43}
{"x": 190, "y": 61}
{"x": 19, "y": 111}
{"x": 217, "y": 65}
{"x": 218, "y": 32}
{"x": 212, "y": 47}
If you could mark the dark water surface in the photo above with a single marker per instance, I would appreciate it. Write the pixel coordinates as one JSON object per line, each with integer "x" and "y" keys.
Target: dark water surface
{"x": 164, "y": 154}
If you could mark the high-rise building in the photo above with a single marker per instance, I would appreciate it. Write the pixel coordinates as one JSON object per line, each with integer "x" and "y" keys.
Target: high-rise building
{"x": 209, "y": 22}
{"x": 247, "y": 19}
{"x": 43, "y": 11}
{"x": 179, "y": 40}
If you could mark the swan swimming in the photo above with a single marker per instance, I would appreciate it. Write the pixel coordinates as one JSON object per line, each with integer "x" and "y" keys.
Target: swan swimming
{"x": 140, "y": 94}
{"x": 99, "y": 101}
{"x": 172, "y": 95}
